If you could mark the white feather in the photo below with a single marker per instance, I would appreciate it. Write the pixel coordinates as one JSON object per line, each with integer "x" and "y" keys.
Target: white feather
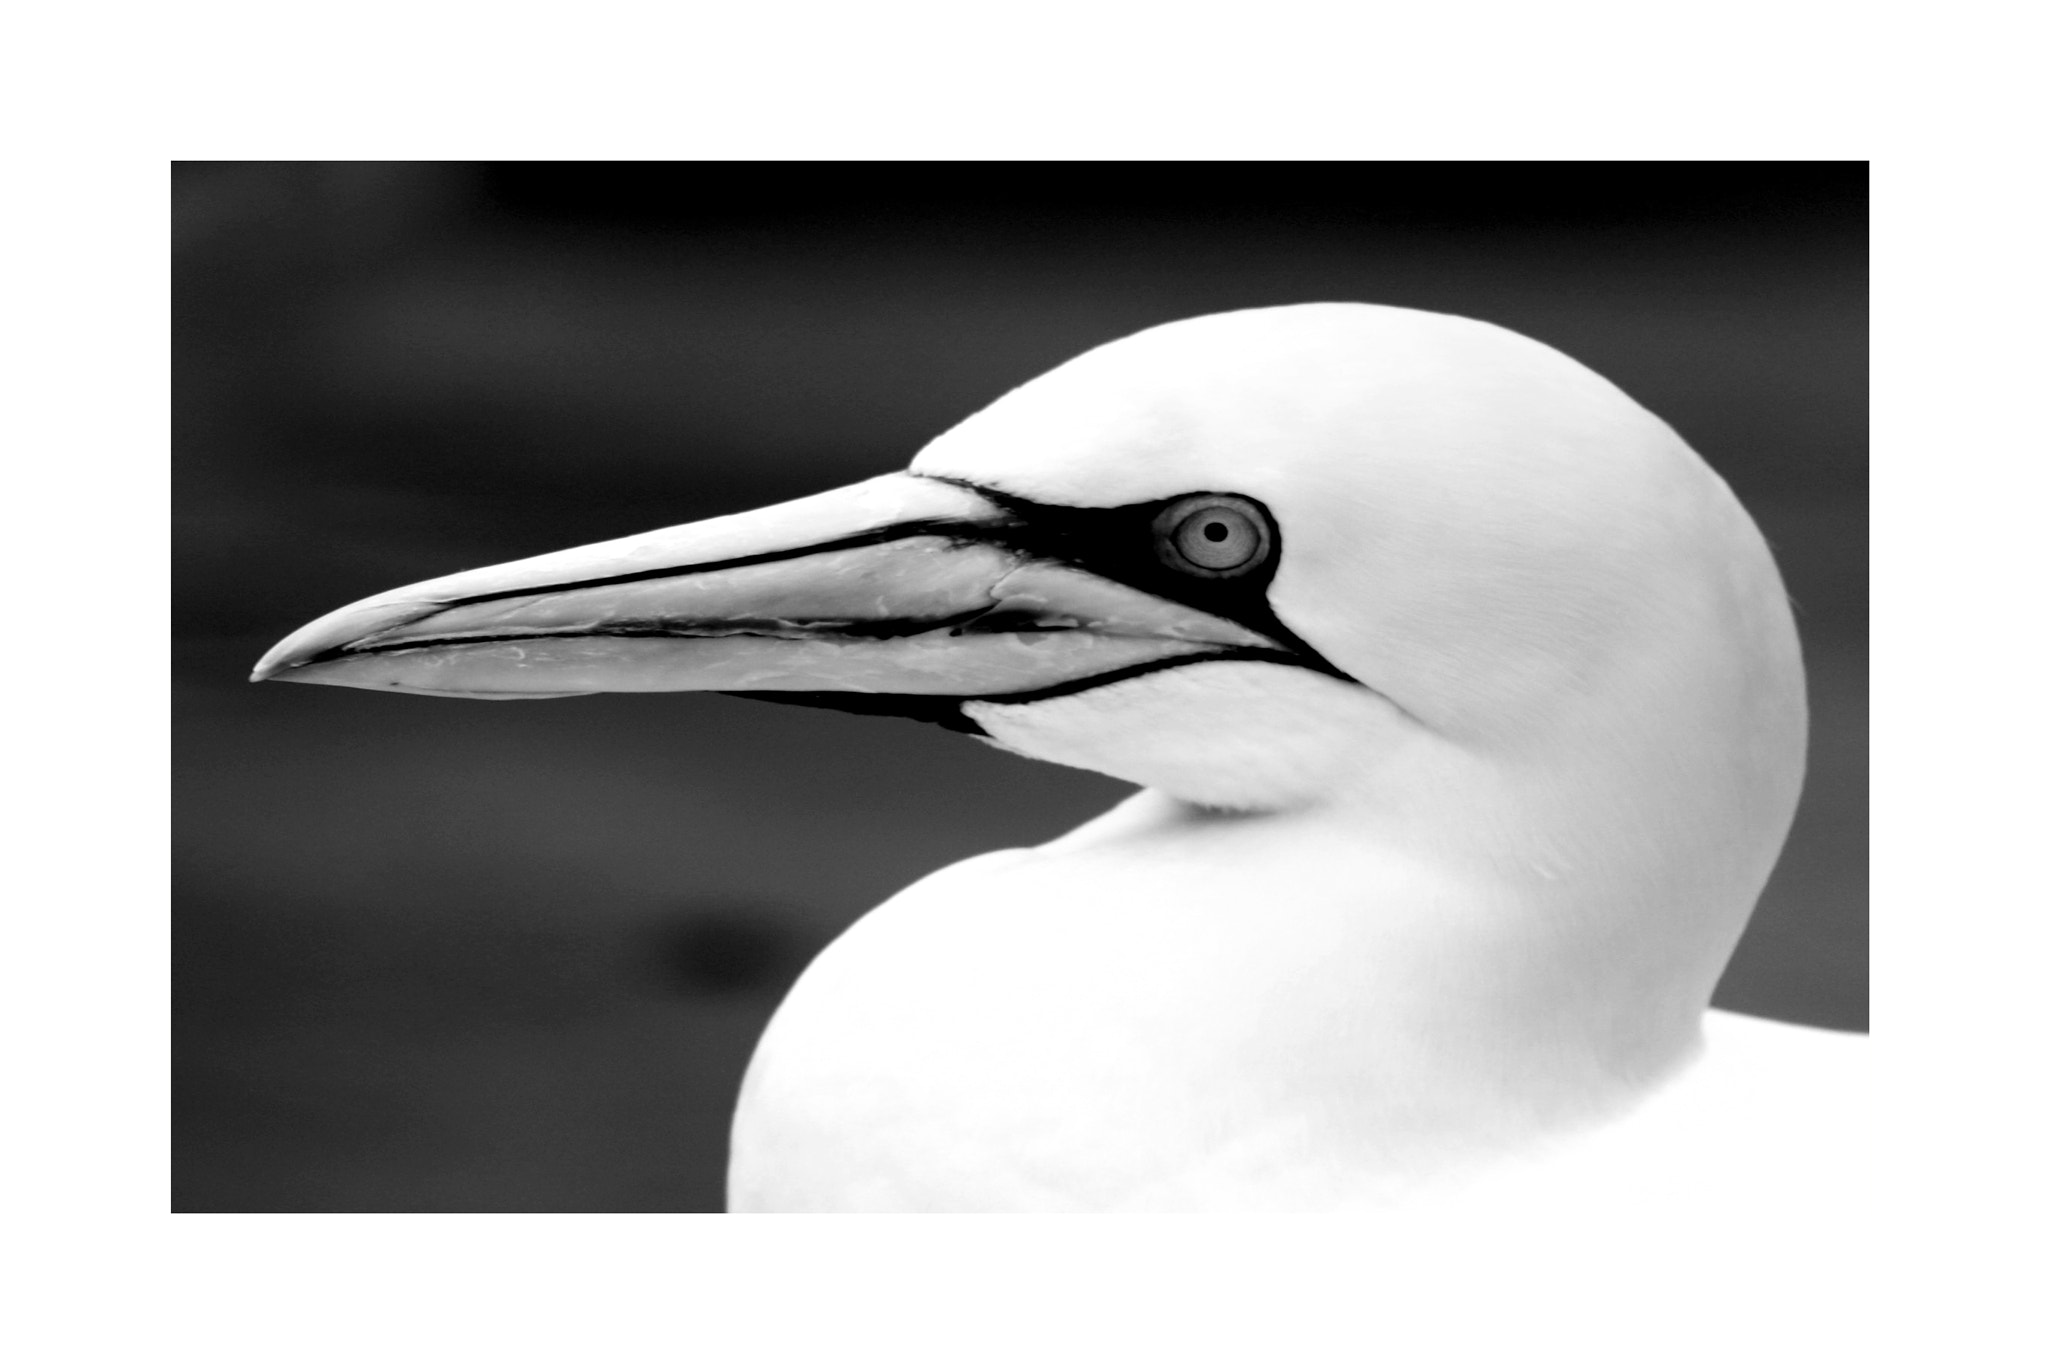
{"x": 1446, "y": 942}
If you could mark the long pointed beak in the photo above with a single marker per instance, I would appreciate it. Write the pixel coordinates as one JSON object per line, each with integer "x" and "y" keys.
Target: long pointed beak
{"x": 902, "y": 585}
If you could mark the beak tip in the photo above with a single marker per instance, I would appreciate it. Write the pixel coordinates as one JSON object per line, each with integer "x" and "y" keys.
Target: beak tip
{"x": 335, "y": 629}
{"x": 278, "y": 663}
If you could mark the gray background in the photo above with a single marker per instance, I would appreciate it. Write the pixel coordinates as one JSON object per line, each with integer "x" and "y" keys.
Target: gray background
{"x": 434, "y": 955}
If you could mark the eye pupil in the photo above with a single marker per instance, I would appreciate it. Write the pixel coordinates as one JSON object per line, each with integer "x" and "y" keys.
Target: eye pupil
{"x": 1216, "y": 530}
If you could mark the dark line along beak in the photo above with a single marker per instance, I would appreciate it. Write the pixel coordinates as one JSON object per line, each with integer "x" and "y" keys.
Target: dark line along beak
{"x": 902, "y": 586}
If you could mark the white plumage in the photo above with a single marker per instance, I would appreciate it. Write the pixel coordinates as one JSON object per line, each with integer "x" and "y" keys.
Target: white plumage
{"x": 1454, "y": 809}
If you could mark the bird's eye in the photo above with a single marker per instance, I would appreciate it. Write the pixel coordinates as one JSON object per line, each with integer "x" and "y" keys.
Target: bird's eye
{"x": 1213, "y": 535}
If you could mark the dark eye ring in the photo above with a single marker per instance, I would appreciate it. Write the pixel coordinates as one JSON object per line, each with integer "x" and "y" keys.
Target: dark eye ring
{"x": 1213, "y": 535}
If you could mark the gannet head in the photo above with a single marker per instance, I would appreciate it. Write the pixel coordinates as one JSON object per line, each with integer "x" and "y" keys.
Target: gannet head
{"x": 1288, "y": 559}
{"x": 1497, "y": 548}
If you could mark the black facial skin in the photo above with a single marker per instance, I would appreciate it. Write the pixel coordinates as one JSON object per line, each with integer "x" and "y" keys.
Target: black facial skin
{"x": 1117, "y": 543}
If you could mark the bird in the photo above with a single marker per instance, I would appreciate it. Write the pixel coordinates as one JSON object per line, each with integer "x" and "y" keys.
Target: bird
{"x": 1466, "y": 710}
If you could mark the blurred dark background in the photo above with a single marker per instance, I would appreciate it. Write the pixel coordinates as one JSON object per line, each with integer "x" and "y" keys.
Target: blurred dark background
{"x": 432, "y": 955}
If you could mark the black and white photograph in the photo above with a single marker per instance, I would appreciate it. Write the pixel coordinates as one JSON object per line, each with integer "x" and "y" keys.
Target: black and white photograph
{"x": 1357, "y": 680}
{"x": 1154, "y": 688}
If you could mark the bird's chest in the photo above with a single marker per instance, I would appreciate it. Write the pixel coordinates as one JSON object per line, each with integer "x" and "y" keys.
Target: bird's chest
{"x": 984, "y": 1044}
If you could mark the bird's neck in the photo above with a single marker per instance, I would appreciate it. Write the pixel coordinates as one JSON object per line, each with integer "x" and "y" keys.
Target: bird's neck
{"x": 1406, "y": 990}
{"x": 1173, "y": 1008}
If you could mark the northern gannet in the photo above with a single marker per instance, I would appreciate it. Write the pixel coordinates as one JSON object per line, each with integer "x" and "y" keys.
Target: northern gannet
{"x": 1469, "y": 715}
